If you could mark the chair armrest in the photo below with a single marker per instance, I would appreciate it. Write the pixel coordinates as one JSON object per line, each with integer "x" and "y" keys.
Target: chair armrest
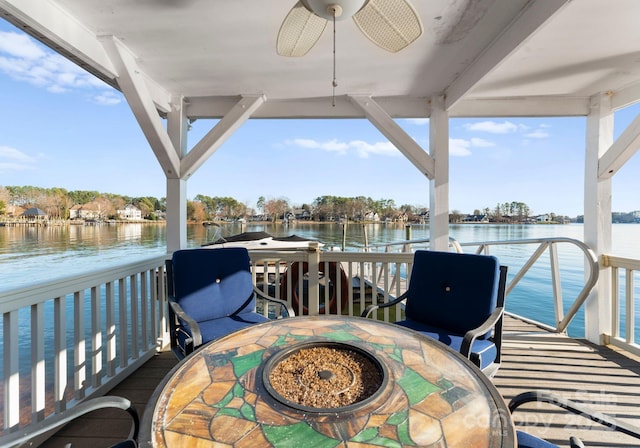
{"x": 285, "y": 305}
{"x": 196, "y": 335}
{"x": 576, "y": 408}
{"x": 486, "y": 326}
{"x": 368, "y": 310}
{"x": 27, "y": 433}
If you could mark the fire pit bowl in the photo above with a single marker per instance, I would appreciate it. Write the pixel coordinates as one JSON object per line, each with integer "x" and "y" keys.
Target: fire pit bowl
{"x": 324, "y": 377}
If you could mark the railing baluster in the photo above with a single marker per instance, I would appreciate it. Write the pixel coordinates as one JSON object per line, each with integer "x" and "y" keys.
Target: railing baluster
{"x": 615, "y": 302}
{"x": 79, "y": 352}
{"x": 144, "y": 310}
{"x": 110, "y": 337}
{"x": 555, "y": 283}
{"x": 37, "y": 363}
{"x": 11, "y": 372}
{"x": 134, "y": 335}
{"x": 121, "y": 329}
{"x": 384, "y": 272}
{"x": 60, "y": 354}
{"x": 157, "y": 284}
{"x": 96, "y": 339}
{"x": 630, "y": 306}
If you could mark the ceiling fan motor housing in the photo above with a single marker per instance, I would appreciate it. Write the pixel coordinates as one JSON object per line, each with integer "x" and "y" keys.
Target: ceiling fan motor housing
{"x": 343, "y": 8}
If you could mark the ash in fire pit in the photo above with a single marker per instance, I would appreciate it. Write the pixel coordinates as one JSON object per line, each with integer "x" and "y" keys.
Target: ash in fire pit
{"x": 324, "y": 375}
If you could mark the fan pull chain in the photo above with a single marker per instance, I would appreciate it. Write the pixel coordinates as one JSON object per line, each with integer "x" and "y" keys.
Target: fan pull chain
{"x": 334, "y": 83}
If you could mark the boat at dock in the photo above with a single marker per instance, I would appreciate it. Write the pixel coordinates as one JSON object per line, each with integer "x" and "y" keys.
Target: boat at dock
{"x": 264, "y": 241}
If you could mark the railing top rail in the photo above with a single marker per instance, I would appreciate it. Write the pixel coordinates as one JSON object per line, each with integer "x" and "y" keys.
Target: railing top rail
{"x": 592, "y": 268}
{"x": 621, "y": 262}
{"x": 452, "y": 242}
{"x": 14, "y": 299}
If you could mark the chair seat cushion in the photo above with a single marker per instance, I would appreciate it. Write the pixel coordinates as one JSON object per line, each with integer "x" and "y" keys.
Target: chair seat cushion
{"x": 216, "y": 328}
{"x": 482, "y": 349}
{"x": 526, "y": 440}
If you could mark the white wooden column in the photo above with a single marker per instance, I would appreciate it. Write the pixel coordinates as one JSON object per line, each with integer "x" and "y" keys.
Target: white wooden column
{"x": 439, "y": 184}
{"x": 597, "y": 214}
{"x": 177, "y": 126}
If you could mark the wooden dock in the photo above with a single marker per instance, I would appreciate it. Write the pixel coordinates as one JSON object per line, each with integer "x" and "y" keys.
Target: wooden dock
{"x": 608, "y": 380}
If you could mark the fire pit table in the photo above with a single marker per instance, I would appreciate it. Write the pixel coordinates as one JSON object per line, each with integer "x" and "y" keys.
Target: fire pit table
{"x": 326, "y": 381}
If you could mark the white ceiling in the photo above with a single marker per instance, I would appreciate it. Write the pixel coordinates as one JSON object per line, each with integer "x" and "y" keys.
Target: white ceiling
{"x": 488, "y": 57}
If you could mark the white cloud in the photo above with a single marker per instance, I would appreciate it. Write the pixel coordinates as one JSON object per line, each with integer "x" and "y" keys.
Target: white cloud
{"x": 365, "y": 149}
{"x": 19, "y": 46}
{"x": 493, "y": 127}
{"x": 362, "y": 148}
{"x": 108, "y": 98}
{"x": 331, "y": 145}
{"x": 481, "y": 143}
{"x": 23, "y": 59}
{"x": 459, "y": 147}
{"x": 538, "y": 133}
{"x": 12, "y": 159}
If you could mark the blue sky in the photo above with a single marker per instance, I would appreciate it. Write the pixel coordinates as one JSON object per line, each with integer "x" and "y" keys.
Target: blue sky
{"x": 61, "y": 127}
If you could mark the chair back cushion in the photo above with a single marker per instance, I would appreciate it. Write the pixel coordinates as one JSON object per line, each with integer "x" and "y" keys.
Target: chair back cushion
{"x": 212, "y": 283}
{"x": 452, "y": 291}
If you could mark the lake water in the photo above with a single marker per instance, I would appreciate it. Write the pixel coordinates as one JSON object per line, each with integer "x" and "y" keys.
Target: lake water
{"x": 36, "y": 254}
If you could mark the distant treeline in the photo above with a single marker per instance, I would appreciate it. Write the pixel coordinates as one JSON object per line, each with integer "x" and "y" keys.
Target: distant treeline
{"x": 57, "y": 203}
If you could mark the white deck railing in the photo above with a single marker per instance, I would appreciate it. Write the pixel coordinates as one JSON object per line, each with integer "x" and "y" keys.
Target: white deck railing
{"x": 623, "y": 310}
{"x": 69, "y": 339}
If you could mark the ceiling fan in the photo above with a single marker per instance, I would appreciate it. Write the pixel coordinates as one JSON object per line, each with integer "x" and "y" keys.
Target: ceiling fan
{"x": 390, "y": 24}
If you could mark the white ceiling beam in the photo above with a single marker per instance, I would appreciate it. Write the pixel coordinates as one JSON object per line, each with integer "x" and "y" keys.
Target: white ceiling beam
{"x": 625, "y": 97}
{"x": 535, "y": 14}
{"x": 210, "y": 143}
{"x": 396, "y": 135}
{"x": 549, "y": 106}
{"x": 625, "y": 146}
{"x": 134, "y": 87}
{"x": 397, "y": 107}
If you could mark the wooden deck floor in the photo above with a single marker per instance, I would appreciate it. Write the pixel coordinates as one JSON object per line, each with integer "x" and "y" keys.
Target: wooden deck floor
{"x": 606, "y": 379}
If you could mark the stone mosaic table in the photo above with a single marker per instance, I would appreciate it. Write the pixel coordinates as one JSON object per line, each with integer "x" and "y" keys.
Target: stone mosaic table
{"x": 432, "y": 397}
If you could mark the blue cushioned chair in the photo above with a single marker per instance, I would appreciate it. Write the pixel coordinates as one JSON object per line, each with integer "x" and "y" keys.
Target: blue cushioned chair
{"x": 526, "y": 440}
{"x": 211, "y": 294}
{"x": 457, "y": 299}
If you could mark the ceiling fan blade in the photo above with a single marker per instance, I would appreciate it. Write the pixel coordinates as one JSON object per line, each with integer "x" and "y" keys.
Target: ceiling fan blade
{"x": 299, "y": 31}
{"x": 390, "y": 24}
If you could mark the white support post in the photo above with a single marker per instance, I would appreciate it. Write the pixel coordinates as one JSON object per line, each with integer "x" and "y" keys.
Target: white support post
{"x": 176, "y": 214}
{"x": 177, "y": 126}
{"x": 439, "y": 185}
{"x": 597, "y": 215}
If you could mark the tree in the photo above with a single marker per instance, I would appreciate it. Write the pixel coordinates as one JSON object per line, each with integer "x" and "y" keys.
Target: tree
{"x": 276, "y": 208}
{"x": 260, "y": 204}
{"x": 195, "y": 211}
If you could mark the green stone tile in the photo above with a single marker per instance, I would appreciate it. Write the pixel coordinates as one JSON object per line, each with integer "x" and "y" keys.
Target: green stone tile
{"x": 248, "y": 413}
{"x": 366, "y": 435}
{"x": 340, "y": 336}
{"x": 398, "y": 417}
{"x": 231, "y": 412}
{"x": 242, "y": 364}
{"x": 416, "y": 387}
{"x": 403, "y": 434}
{"x": 296, "y": 436}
